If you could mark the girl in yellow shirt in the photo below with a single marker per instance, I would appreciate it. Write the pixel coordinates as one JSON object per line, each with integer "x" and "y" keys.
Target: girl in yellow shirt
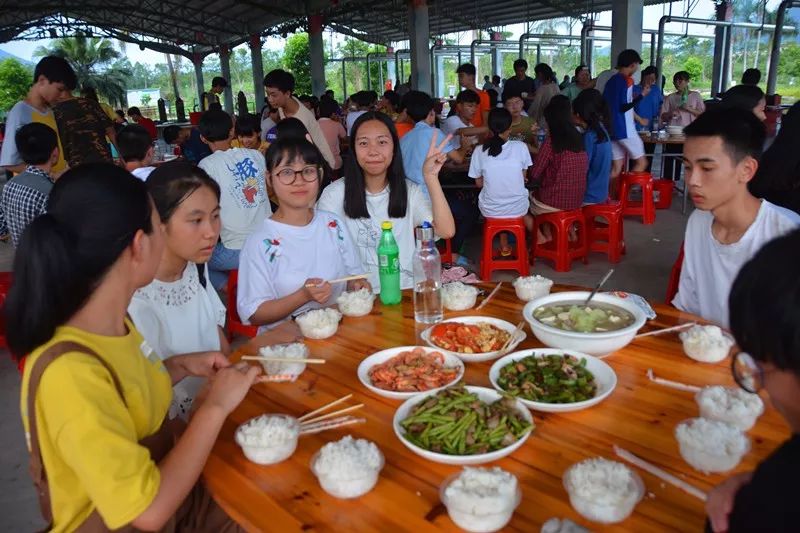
{"x": 99, "y": 393}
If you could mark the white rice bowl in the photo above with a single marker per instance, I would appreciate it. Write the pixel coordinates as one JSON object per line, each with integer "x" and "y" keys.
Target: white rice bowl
{"x": 707, "y": 344}
{"x": 711, "y": 445}
{"x": 603, "y": 491}
{"x": 481, "y": 500}
{"x": 730, "y": 404}
{"x": 268, "y": 439}
{"x": 457, "y": 296}
{"x": 531, "y": 287}
{"x": 356, "y": 303}
{"x": 319, "y": 323}
{"x": 347, "y": 468}
{"x": 295, "y": 350}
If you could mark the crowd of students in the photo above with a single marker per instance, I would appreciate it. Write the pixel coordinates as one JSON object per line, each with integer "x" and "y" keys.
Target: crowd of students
{"x": 118, "y": 266}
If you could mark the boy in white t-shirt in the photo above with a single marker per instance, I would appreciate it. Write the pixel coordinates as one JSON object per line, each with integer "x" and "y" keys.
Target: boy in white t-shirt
{"x": 499, "y": 167}
{"x": 136, "y": 150}
{"x": 730, "y": 225}
{"x": 460, "y": 125}
{"x": 241, "y": 174}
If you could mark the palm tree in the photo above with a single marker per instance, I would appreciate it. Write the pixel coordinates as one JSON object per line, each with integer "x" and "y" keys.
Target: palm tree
{"x": 96, "y": 63}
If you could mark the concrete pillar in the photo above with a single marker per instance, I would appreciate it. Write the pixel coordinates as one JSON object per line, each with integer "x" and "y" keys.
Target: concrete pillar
{"x": 626, "y": 24}
{"x": 497, "y": 61}
{"x": 225, "y": 65}
{"x": 258, "y": 70}
{"x": 419, "y": 34}
{"x": 317, "y": 51}
{"x": 391, "y": 72}
{"x": 719, "y": 70}
{"x": 197, "y": 61}
{"x": 440, "y": 89}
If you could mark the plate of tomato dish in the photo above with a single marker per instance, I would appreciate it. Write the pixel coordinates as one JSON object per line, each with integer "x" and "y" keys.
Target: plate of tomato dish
{"x": 472, "y": 338}
{"x": 402, "y": 372}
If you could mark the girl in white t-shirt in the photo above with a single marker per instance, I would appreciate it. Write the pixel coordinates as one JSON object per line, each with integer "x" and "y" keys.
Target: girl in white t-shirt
{"x": 499, "y": 168}
{"x": 375, "y": 189}
{"x": 285, "y": 262}
{"x": 179, "y": 312}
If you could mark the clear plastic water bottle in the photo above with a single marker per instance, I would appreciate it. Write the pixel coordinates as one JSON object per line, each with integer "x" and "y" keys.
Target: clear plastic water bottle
{"x": 157, "y": 155}
{"x": 427, "y": 277}
{"x": 389, "y": 266}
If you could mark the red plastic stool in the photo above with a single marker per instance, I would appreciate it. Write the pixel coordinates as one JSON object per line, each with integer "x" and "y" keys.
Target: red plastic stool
{"x": 560, "y": 249}
{"x": 491, "y": 228}
{"x": 234, "y": 323}
{"x": 675, "y": 277}
{"x": 664, "y": 188}
{"x": 646, "y": 208}
{"x": 605, "y": 237}
{"x": 445, "y": 250}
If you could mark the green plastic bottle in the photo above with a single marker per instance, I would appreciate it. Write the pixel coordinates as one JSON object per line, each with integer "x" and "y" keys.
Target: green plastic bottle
{"x": 389, "y": 266}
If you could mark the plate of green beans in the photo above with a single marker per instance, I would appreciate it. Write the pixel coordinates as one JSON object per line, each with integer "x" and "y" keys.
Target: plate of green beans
{"x": 553, "y": 380}
{"x": 463, "y": 425}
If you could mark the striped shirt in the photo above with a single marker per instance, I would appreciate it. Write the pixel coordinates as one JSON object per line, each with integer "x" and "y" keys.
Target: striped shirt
{"x": 24, "y": 198}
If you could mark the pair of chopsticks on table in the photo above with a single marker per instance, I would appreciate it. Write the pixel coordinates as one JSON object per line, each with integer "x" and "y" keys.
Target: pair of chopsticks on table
{"x": 340, "y": 280}
{"x": 314, "y": 422}
{"x": 309, "y": 361}
{"x": 665, "y": 330}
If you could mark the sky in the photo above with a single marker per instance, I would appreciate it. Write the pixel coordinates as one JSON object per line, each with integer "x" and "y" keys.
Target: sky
{"x": 704, "y": 10}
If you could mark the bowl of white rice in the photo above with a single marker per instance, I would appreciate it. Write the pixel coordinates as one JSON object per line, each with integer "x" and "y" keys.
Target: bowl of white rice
{"x": 711, "y": 445}
{"x": 481, "y": 500}
{"x": 319, "y": 323}
{"x": 733, "y": 405}
{"x": 707, "y": 344}
{"x": 457, "y": 296}
{"x": 356, "y": 303}
{"x": 268, "y": 439}
{"x": 603, "y": 491}
{"x": 347, "y": 468}
{"x": 531, "y": 287}
{"x": 294, "y": 350}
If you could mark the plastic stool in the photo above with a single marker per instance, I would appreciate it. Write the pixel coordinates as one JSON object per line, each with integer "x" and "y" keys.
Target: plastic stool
{"x": 605, "y": 237}
{"x": 664, "y": 188}
{"x": 235, "y": 326}
{"x": 675, "y": 277}
{"x": 445, "y": 250}
{"x": 646, "y": 208}
{"x": 491, "y": 228}
{"x": 560, "y": 249}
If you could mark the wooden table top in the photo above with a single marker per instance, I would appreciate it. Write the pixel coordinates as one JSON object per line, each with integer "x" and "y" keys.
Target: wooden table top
{"x": 672, "y": 139}
{"x": 639, "y": 416}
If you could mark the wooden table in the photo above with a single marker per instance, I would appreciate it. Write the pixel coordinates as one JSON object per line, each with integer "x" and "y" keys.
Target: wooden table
{"x": 639, "y": 416}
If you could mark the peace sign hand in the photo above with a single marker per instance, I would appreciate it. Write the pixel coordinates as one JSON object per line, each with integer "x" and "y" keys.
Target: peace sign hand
{"x": 435, "y": 158}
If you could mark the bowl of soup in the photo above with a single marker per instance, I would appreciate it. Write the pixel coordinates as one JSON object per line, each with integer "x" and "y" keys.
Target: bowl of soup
{"x": 562, "y": 320}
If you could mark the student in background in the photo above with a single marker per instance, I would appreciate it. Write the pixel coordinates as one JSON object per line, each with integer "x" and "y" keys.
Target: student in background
{"x": 751, "y": 76}
{"x": 91, "y": 94}
{"x": 136, "y": 115}
{"x": 523, "y": 128}
{"x": 591, "y": 115}
{"x": 389, "y": 104}
{"x": 332, "y": 129}
{"x": 84, "y": 129}
{"x": 269, "y": 118}
{"x": 403, "y": 124}
{"x": 729, "y": 225}
{"x": 51, "y": 76}
{"x": 583, "y": 81}
{"x": 520, "y": 84}
{"x": 360, "y": 103}
{"x": 680, "y": 109}
{"x": 211, "y": 97}
{"x": 778, "y": 175}
{"x": 648, "y": 108}
{"x": 748, "y": 97}
{"x": 136, "y": 151}
{"x": 548, "y": 88}
{"x": 189, "y": 141}
{"x": 459, "y": 124}
{"x": 248, "y": 134}
{"x": 466, "y": 79}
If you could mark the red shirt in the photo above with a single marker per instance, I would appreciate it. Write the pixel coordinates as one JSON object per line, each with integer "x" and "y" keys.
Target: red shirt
{"x": 149, "y": 125}
{"x": 562, "y": 175}
{"x": 484, "y": 105}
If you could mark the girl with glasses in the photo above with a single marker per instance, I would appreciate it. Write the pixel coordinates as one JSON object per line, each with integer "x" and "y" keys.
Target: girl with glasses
{"x": 285, "y": 262}
{"x": 765, "y": 320}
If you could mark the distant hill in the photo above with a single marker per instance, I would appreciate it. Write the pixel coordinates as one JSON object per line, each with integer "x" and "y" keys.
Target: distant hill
{"x": 5, "y": 55}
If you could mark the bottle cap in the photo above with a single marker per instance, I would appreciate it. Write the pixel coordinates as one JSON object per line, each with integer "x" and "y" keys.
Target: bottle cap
{"x": 386, "y": 225}
{"x": 424, "y": 232}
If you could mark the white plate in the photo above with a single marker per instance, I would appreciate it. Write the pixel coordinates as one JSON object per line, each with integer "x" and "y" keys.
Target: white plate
{"x": 476, "y": 357}
{"x": 485, "y": 394}
{"x": 604, "y": 377}
{"x": 450, "y": 361}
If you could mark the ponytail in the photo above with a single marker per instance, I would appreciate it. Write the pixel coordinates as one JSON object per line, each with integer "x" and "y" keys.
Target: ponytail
{"x": 94, "y": 212}
{"x": 494, "y": 145}
{"x": 499, "y": 122}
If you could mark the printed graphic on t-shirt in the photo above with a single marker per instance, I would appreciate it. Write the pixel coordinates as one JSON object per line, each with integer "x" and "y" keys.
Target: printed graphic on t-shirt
{"x": 244, "y": 186}
{"x": 273, "y": 248}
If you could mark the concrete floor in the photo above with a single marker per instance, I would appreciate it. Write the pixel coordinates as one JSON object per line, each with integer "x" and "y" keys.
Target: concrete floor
{"x": 651, "y": 251}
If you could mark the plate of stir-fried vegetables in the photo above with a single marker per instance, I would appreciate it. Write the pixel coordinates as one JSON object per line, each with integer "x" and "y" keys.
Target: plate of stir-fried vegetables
{"x": 553, "y": 380}
{"x": 402, "y": 372}
{"x": 463, "y": 425}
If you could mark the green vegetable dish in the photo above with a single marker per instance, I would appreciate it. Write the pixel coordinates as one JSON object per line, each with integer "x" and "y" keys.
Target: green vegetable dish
{"x": 455, "y": 421}
{"x": 574, "y": 316}
{"x": 548, "y": 379}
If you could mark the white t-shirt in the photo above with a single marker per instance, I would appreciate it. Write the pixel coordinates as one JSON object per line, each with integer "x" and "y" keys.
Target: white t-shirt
{"x": 710, "y": 267}
{"x": 278, "y": 258}
{"x": 176, "y": 318}
{"x": 366, "y": 232}
{"x": 352, "y": 116}
{"x": 143, "y": 172}
{"x": 503, "y": 194}
{"x": 451, "y": 126}
{"x": 241, "y": 174}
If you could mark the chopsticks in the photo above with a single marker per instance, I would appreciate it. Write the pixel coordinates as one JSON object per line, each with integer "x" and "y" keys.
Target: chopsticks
{"x": 325, "y": 407}
{"x": 672, "y": 384}
{"x": 311, "y": 421}
{"x": 341, "y": 280}
{"x": 491, "y": 294}
{"x": 316, "y": 427}
{"x": 656, "y": 471}
{"x": 665, "y": 330}
{"x": 507, "y": 346}
{"x": 309, "y": 361}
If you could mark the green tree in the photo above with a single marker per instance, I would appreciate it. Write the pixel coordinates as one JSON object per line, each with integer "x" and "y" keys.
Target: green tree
{"x": 297, "y": 60}
{"x": 15, "y": 80}
{"x": 694, "y": 66}
{"x": 96, "y": 64}
{"x": 790, "y": 61}
{"x": 145, "y": 100}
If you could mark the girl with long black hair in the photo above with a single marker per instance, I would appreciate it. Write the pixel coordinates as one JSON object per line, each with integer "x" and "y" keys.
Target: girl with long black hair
{"x": 590, "y": 113}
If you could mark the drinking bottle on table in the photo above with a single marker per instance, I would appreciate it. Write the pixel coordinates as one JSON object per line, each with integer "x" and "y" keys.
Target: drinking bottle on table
{"x": 427, "y": 277}
{"x": 389, "y": 266}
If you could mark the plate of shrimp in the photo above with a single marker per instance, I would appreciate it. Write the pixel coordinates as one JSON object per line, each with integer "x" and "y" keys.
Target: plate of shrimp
{"x": 399, "y": 373}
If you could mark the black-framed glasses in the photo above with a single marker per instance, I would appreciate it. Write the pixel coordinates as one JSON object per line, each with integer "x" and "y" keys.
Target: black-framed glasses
{"x": 747, "y": 373}
{"x": 288, "y": 176}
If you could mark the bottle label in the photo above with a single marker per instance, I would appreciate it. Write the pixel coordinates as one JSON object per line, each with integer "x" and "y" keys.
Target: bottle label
{"x": 388, "y": 263}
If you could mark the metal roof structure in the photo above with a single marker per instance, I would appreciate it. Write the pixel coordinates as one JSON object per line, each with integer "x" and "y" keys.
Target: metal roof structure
{"x": 180, "y": 27}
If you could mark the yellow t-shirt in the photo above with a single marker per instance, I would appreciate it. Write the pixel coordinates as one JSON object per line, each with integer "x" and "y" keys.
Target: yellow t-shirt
{"x": 88, "y": 437}
{"x": 109, "y": 111}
